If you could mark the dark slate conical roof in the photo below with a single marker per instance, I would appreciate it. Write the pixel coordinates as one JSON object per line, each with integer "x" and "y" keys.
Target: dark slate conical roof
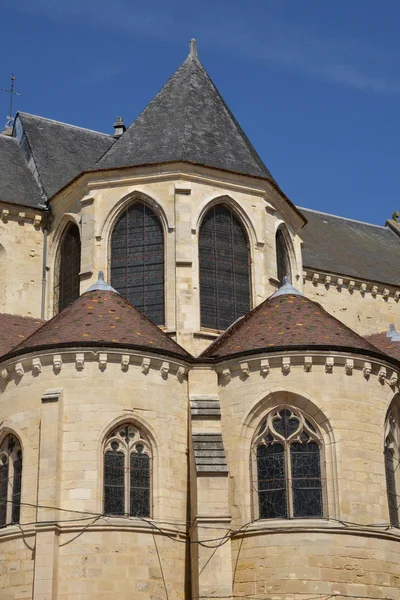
{"x": 187, "y": 121}
{"x": 101, "y": 317}
{"x": 287, "y": 321}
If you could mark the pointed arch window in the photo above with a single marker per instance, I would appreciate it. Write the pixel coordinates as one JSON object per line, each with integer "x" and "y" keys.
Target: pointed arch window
{"x": 127, "y": 473}
{"x": 137, "y": 260}
{"x": 287, "y": 466}
{"x": 224, "y": 261}
{"x": 284, "y": 268}
{"x": 69, "y": 266}
{"x": 10, "y": 480}
{"x": 392, "y": 464}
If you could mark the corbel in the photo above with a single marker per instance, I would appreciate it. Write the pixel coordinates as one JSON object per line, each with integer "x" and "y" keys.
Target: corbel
{"x": 385, "y": 293}
{"x": 103, "y": 358}
{"x": 351, "y": 285}
{"x": 339, "y": 283}
{"x": 125, "y": 360}
{"x": 21, "y": 218}
{"x": 327, "y": 281}
{"x": 4, "y": 215}
{"x": 264, "y": 367}
{"x": 37, "y": 219}
{"x": 19, "y": 369}
{"x": 394, "y": 379}
{"x": 382, "y": 374}
{"x": 330, "y": 361}
{"x": 180, "y": 374}
{"x": 374, "y": 290}
{"x": 244, "y": 369}
{"x": 363, "y": 288}
{"x": 349, "y": 366}
{"x": 80, "y": 361}
{"x": 226, "y": 373}
{"x": 5, "y": 375}
{"x": 146, "y": 365}
{"x": 315, "y": 278}
{"x": 286, "y": 365}
{"x": 36, "y": 366}
{"x": 367, "y": 369}
{"x": 57, "y": 363}
{"x": 164, "y": 370}
{"x": 397, "y": 296}
{"x": 307, "y": 363}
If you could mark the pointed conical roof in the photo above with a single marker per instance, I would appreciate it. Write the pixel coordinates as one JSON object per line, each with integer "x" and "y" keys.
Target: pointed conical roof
{"x": 287, "y": 321}
{"x": 187, "y": 121}
{"x": 101, "y": 317}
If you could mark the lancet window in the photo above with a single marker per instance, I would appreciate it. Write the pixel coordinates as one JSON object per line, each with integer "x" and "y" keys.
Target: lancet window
{"x": 137, "y": 260}
{"x": 10, "y": 480}
{"x": 287, "y": 466}
{"x": 224, "y": 259}
{"x": 392, "y": 464}
{"x": 69, "y": 266}
{"x": 282, "y": 257}
{"x": 127, "y": 473}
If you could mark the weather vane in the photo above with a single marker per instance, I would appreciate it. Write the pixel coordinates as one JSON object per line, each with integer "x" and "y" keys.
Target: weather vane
{"x": 10, "y": 118}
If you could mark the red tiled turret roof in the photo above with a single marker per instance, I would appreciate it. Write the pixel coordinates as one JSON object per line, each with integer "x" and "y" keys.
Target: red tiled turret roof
{"x": 14, "y": 329}
{"x": 101, "y": 318}
{"x": 286, "y": 321}
{"x": 385, "y": 344}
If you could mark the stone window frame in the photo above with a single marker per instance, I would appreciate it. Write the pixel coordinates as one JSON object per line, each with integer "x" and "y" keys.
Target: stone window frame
{"x": 307, "y": 424}
{"x": 288, "y": 248}
{"x": 392, "y": 461}
{"x": 67, "y": 221}
{"x": 11, "y": 450}
{"x": 128, "y": 448}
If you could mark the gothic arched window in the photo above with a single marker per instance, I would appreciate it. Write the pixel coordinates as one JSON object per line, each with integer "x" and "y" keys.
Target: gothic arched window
{"x": 224, "y": 259}
{"x": 127, "y": 473}
{"x": 10, "y": 480}
{"x": 137, "y": 260}
{"x": 287, "y": 467}
{"x": 69, "y": 266}
{"x": 282, "y": 257}
{"x": 392, "y": 464}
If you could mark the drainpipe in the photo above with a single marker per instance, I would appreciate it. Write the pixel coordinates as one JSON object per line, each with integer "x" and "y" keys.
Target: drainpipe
{"x": 44, "y": 267}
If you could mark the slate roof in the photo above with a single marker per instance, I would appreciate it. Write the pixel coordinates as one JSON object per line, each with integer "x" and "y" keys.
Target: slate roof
{"x": 351, "y": 248}
{"x": 286, "y": 322}
{"x": 385, "y": 344}
{"x": 61, "y": 151}
{"x": 101, "y": 318}
{"x": 187, "y": 121}
{"x": 17, "y": 184}
{"x": 14, "y": 329}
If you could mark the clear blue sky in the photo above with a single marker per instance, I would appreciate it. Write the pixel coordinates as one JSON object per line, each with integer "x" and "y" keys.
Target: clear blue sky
{"x": 315, "y": 84}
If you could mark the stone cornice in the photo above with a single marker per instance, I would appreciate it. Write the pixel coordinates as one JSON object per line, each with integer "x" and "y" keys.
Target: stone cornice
{"x": 334, "y": 282}
{"x": 22, "y": 215}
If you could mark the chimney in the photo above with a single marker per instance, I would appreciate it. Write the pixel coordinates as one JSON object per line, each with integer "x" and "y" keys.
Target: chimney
{"x": 119, "y": 127}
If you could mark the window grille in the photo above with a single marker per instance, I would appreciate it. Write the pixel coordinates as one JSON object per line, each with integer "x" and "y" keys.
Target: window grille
{"x": 127, "y": 473}
{"x": 224, "y": 261}
{"x": 137, "y": 260}
{"x": 282, "y": 257}
{"x": 10, "y": 480}
{"x": 287, "y": 471}
{"x": 392, "y": 465}
{"x": 67, "y": 271}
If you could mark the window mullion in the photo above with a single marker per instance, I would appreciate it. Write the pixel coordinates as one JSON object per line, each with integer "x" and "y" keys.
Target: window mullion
{"x": 10, "y": 482}
{"x": 127, "y": 483}
{"x": 289, "y": 491}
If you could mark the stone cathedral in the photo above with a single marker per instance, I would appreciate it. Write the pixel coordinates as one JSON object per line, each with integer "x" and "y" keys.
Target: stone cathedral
{"x": 199, "y": 391}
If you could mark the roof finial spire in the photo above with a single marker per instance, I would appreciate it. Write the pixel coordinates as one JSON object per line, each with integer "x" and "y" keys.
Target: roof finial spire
{"x": 193, "y": 48}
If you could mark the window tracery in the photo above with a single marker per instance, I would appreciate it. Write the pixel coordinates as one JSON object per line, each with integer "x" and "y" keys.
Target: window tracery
{"x": 10, "y": 480}
{"x": 127, "y": 473}
{"x": 392, "y": 464}
{"x": 287, "y": 466}
{"x": 137, "y": 260}
{"x": 224, "y": 263}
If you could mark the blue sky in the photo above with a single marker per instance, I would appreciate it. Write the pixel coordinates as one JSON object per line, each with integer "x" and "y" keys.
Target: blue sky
{"x": 315, "y": 84}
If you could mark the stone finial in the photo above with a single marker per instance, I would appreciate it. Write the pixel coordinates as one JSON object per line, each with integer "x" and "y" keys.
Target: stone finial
{"x": 193, "y": 48}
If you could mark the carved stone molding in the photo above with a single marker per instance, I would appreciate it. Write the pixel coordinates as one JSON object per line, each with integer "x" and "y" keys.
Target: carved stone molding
{"x": 331, "y": 281}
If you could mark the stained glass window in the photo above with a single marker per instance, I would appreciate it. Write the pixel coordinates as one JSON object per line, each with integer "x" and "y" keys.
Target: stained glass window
{"x": 127, "y": 473}
{"x": 68, "y": 282}
{"x": 287, "y": 471}
{"x": 137, "y": 260}
{"x": 224, "y": 259}
{"x": 392, "y": 465}
{"x": 10, "y": 480}
{"x": 282, "y": 257}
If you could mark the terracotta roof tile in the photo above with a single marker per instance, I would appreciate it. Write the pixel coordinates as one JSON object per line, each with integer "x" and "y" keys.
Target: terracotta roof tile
{"x": 101, "y": 318}
{"x": 385, "y": 344}
{"x": 286, "y": 321}
{"x": 14, "y": 329}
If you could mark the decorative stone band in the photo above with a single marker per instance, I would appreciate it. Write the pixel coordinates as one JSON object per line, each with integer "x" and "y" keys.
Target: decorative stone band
{"x": 10, "y": 214}
{"x": 21, "y": 366}
{"x": 209, "y": 454}
{"x": 205, "y": 407}
{"x": 352, "y": 285}
{"x": 312, "y": 361}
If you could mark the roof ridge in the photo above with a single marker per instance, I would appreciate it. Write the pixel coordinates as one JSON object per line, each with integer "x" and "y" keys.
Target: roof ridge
{"x": 65, "y": 124}
{"x": 320, "y": 212}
